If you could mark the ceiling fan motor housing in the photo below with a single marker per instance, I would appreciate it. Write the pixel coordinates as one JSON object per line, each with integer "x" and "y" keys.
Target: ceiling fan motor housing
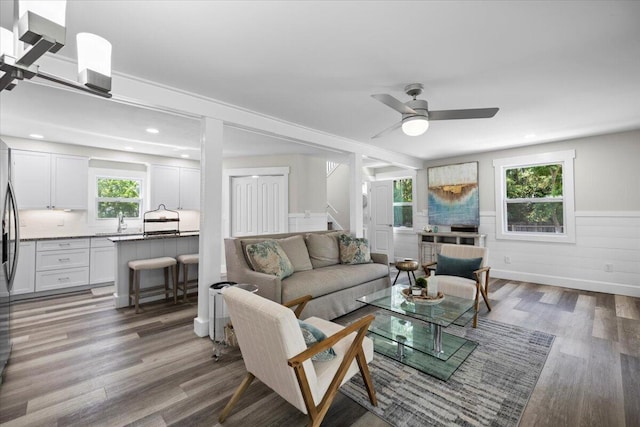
{"x": 420, "y": 106}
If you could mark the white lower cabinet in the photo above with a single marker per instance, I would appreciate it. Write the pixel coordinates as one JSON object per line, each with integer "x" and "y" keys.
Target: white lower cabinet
{"x": 61, "y": 263}
{"x": 25, "y": 279}
{"x": 103, "y": 261}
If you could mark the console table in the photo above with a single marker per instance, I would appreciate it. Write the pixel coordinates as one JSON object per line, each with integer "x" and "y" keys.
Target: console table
{"x": 429, "y": 243}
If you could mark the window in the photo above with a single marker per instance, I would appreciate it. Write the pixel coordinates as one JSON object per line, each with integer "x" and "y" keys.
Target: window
{"x": 115, "y": 195}
{"x": 403, "y": 203}
{"x": 534, "y": 197}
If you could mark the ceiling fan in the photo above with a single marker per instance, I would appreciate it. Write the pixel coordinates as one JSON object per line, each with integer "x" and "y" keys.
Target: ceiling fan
{"x": 416, "y": 115}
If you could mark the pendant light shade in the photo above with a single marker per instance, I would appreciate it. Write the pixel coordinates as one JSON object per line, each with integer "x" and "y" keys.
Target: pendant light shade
{"x": 94, "y": 61}
{"x": 415, "y": 126}
{"x": 6, "y": 42}
{"x": 53, "y": 10}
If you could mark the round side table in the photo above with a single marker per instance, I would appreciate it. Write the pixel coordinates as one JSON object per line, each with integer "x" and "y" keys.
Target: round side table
{"x": 409, "y": 267}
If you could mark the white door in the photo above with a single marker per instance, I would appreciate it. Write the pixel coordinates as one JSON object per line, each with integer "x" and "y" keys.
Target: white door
{"x": 244, "y": 206}
{"x": 382, "y": 218}
{"x": 258, "y": 205}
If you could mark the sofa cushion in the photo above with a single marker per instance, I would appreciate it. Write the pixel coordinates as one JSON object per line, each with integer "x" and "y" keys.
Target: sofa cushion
{"x": 326, "y": 280}
{"x": 296, "y": 250}
{"x": 461, "y": 267}
{"x": 353, "y": 250}
{"x": 269, "y": 258}
{"x": 323, "y": 249}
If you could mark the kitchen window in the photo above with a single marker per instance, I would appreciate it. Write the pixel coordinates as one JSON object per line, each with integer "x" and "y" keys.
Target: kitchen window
{"x": 534, "y": 197}
{"x": 115, "y": 195}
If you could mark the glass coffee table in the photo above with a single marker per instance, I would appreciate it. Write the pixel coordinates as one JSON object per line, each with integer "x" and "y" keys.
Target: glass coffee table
{"x": 416, "y": 337}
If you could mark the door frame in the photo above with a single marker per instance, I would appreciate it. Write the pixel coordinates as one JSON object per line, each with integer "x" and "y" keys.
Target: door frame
{"x": 227, "y": 174}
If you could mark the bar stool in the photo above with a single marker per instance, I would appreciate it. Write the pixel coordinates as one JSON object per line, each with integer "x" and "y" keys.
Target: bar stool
{"x": 138, "y": 265}
{"x": 185, "y": 261}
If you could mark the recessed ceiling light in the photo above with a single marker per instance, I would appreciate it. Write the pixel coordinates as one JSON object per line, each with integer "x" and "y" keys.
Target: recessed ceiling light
{"x": 128, "y": 148}
{"x": 185, "y": 156}
{"x": 530, "y": 135}
{"x": 153, "y": 130}
{"x": 36, "y": 135}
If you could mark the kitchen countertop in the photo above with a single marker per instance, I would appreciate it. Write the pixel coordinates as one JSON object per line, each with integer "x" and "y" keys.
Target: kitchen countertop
{"x": 113, "y": 236}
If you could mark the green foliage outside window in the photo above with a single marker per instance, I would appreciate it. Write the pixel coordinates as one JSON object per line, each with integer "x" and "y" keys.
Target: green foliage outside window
{"x": 117, "y": 195}
{"x": 403, "y": 203}
{"x": 535, "y": 199}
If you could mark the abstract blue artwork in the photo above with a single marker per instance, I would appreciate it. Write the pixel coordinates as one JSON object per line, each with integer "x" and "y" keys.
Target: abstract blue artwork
{"x": 453, "y": 195}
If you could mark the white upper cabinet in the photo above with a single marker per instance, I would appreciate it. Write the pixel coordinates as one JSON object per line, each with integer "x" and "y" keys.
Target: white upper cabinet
{"x": 175, "y": 187}
{"x": 48, "y": 181}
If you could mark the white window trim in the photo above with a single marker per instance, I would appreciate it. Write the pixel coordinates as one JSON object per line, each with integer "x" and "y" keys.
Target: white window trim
{"x": 394, "y": 176}
{"x": 92, "y": 212}
{"x": 563, "y": 157}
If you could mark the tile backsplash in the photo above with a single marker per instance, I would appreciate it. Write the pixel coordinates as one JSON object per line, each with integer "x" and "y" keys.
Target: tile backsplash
{"x": 59, "y": 223}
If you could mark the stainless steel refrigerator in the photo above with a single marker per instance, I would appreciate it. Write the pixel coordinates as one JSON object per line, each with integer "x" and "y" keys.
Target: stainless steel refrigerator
{"x": 10, "y": 248}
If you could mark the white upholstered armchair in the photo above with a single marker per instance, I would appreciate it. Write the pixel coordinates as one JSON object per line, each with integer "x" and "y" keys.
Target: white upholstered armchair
{"x": 471, "y": 287}
{"x": 274, "y": 351}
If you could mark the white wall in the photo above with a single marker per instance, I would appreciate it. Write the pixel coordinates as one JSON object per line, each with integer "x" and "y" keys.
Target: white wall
{"x": 338, "y": 194}
{"x": 607, "y": 203}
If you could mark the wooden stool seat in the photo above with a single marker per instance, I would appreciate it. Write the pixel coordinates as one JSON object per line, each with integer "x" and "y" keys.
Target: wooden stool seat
{"x": 186, "y": 260}
{"x": 135, "y": 266}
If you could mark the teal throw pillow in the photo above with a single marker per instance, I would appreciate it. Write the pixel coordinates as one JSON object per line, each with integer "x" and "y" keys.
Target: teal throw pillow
{"x": 353, "y": 250}
{"x": 314, "y": 335}
{"x": 461, "y": 267}
{"x": 268, "y": 257}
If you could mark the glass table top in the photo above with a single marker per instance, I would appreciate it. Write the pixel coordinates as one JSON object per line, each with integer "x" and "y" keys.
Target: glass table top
{"x": 444, "y": 314}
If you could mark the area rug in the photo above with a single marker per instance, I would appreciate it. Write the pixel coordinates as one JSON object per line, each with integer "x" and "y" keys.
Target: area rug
{"x": 491, "y": 388}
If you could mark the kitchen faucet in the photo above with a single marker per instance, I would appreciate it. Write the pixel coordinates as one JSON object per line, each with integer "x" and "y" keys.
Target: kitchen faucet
{"x": 121, "y": 225}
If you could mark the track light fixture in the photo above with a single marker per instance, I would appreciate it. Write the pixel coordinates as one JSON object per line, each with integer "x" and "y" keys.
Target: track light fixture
{"x": 38, "y": 28}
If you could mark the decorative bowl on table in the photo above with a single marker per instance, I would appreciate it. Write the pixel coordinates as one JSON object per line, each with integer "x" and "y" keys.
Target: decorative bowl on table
{"x": 423, "y": 298}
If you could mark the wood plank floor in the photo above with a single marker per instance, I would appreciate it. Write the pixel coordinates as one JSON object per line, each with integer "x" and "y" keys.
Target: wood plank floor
{"x": 78, "y": 361}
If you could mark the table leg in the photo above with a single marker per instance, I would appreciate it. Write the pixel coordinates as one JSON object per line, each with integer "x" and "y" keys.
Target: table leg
{"x": 437, "y": 337}
{"x": 400, "y": 339}
{"x": 394, "y": 280}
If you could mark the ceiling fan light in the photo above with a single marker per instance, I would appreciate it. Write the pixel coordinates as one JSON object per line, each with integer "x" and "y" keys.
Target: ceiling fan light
{"x": 415, "y": 126}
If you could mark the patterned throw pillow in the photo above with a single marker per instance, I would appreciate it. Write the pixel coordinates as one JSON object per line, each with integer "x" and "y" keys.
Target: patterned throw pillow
{"x": 354, "y": 250}
{"x": 269, "y": 257}
{"x": 314, "y": 335}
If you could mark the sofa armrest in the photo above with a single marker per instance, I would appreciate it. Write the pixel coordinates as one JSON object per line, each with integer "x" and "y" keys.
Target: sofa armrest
{"x": 269, "y": 286}
{"x": 380, "y": 258}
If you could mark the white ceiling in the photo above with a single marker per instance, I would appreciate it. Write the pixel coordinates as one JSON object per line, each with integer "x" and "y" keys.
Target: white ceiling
{"x": 557, "y": 70}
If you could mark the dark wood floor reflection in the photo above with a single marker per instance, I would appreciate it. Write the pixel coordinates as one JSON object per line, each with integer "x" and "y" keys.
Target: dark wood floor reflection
{"x": 78, "y": 361}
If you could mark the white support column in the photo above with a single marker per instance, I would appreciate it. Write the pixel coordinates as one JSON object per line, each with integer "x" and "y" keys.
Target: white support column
{"x": 355, "y": 194}
{"x": 210, "y": 249}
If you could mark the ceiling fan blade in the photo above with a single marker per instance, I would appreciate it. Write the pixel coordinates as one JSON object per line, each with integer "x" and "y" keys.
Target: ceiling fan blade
{"x": 392, "y": 102}
{"x": 474, "y": 113}
{"x": 388, "y": 130}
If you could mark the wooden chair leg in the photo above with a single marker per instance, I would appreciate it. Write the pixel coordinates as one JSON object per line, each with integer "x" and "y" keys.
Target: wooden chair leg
{"x": 366, "y": 376}
{"x": 166, "y": 283}
{"x": 476, "y": 306}
{"x": 131, "y": 296}
{"x": 246, "y": 382}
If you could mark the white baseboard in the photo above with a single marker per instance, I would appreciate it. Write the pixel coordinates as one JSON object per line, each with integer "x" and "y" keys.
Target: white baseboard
{"x": 201, "y": 327}
{"x": 567, "y": 282}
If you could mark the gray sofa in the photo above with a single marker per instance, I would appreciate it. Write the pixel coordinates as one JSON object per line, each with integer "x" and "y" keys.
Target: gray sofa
{"x": 333, "y": 286}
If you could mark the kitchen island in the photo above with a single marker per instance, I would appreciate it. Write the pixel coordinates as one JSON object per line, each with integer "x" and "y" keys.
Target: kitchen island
{"x": 139, "y": 246}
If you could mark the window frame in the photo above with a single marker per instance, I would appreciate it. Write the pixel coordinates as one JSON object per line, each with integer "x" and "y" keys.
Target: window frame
{"x": 99, "y": 199}
{"x": 566, "y": 159}
{"x": 411, "y": 203}
{"x": 97, "y": 173}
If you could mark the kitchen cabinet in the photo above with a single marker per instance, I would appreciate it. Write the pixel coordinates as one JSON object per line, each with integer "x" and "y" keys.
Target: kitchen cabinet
{"x": 25, "y": 279}
{"x": 102, "y": 265}
{"x": 175, "y": 187}
{"x": 61, "y": 263}
{"x": 48, "y": 181}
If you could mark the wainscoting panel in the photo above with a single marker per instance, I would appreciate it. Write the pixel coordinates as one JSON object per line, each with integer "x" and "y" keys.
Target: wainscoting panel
{"x": 604, "y": 241}
{"x": 307, "y": 222}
